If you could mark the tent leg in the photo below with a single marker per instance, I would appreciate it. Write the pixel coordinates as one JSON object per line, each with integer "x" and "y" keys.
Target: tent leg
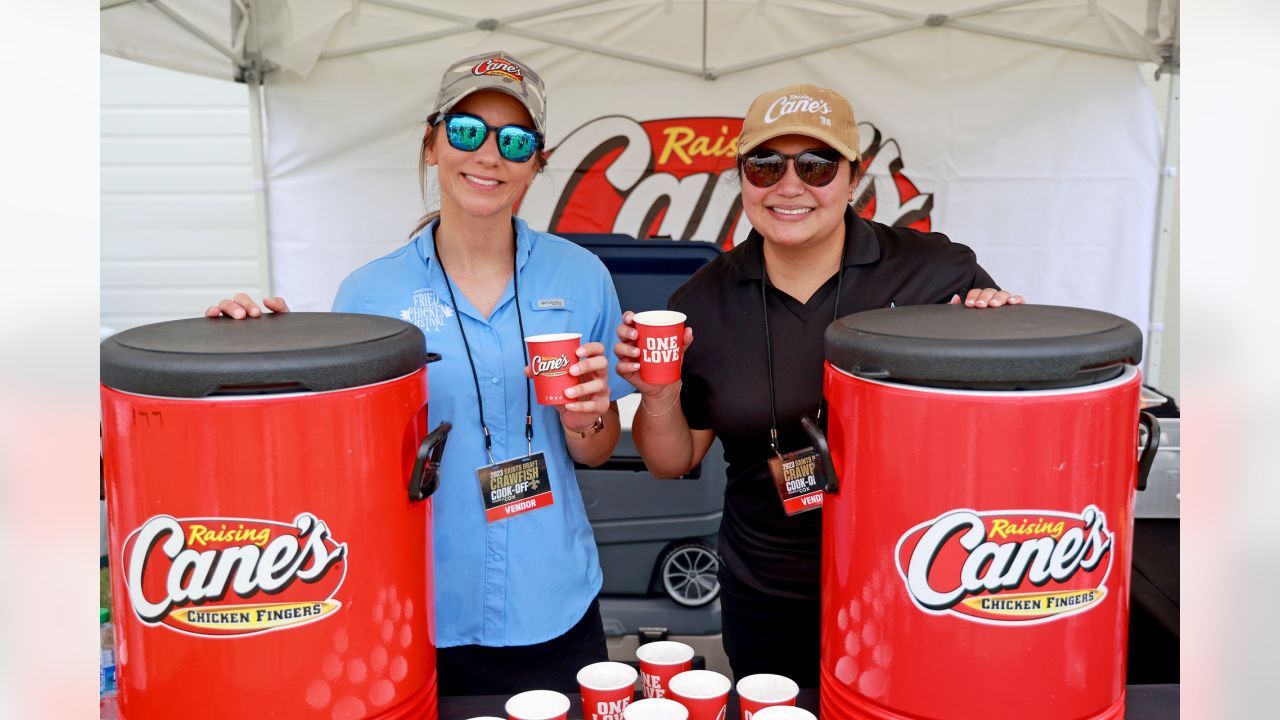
{"x": 1165, "y": 224}
{"x": 262, "y": 239}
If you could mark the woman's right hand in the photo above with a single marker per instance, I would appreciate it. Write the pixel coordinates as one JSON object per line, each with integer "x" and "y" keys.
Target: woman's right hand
{"x": 242, "y": 306}
{"x": 628, "y": 367}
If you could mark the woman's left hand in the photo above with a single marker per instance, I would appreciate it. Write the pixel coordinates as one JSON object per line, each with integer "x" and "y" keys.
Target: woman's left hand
{"x": 591, "y": 394}
{"x": 987, "y": 297}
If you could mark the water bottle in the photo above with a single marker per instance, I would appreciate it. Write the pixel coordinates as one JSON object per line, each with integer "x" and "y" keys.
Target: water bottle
{"x": 107, "y": 669}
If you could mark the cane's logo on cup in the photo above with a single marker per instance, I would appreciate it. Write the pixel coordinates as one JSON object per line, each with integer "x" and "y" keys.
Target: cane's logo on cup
{"x": 1007, "y": 567}
{"x": 224, "y": 577}
{"x": 550, "y": 366}
{"x": 499, "y": 66}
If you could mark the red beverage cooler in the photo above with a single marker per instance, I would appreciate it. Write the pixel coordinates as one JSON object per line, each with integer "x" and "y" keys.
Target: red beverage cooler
{"x": 977, "y": 530}
{"x": 269, "y": 518}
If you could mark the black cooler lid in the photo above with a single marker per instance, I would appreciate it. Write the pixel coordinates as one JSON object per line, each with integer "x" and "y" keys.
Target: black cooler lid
{"x": 1014, "y": 347}
{"x": 275, "y": 353}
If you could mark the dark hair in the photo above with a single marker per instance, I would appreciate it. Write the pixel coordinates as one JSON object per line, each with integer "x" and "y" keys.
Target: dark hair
{"x": 428, "y": 142}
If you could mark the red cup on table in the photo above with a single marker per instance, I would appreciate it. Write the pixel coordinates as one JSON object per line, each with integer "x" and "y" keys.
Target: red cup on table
{"x": 784, "y": 712}
{"x": 549, "y": 359}
{"x": 538, "y": 705}
{"x": 659, "y": 662}
{"x": 659, "y": 335}
{"x": 607, "y": 689}
{"x": 655, "y": 709}
{"x": 704, "y": 693}
{"x": 757, "y": 692}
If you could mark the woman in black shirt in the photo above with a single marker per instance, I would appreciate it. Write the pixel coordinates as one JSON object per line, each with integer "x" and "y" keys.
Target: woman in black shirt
{"x": 760, "y": 311}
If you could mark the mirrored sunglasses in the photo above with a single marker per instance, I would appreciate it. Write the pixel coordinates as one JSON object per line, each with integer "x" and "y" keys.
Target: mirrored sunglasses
{"x": 764, "y": 168}
{"x": 467, "y": 133}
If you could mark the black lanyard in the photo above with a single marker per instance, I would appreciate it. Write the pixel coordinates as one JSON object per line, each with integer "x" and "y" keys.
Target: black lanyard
{"x": 768, "y": 345}
{"x": 475, "y": 377}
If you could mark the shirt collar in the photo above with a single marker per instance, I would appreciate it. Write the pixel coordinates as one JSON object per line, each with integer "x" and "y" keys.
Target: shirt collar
{"x": 525, "y": 238}
{"x": 862, "y": 247}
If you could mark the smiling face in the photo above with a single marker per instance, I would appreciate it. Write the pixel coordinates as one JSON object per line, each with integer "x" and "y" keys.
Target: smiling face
{"x": 791, "y": 213}
{"x": 481, "y": 183}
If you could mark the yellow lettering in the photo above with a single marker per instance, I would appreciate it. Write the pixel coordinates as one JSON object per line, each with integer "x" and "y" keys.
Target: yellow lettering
{"x": 677, "y": 138}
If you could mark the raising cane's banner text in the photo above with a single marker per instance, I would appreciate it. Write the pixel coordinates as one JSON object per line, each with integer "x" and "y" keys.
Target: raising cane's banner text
{"x": 673, "y": 177}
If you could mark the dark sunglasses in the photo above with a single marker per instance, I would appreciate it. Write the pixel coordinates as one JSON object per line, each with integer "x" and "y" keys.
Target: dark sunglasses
{"x": 764, "y": 168}
{"x": 467, "y": 133}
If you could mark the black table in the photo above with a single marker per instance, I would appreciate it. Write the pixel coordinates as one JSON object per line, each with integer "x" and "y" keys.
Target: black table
{"x": 1143, "y": 702}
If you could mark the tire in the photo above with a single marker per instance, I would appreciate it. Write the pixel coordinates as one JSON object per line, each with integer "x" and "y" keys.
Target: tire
{"x": 688, "y": 574}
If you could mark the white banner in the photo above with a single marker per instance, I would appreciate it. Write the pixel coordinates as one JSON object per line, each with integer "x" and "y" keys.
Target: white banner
{"x": 1043, "y": 160}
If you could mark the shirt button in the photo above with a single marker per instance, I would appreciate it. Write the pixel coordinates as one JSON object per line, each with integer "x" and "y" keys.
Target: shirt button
{"x": 493, "y": 380}
{"x": 488, "y": 329}
{"x": 496, "y": 557}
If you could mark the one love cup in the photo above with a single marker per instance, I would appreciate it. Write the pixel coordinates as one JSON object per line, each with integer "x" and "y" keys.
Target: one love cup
{"x": 659, "y": 662}
{"x": 549, "y": 359}
{"x": 757, "y": 692}
{"x": 705, "y": 694}
{"x": 658, "y": 335}
{"x": 538, "y": 705}
{"x": 655, "y": 709}
{"x": 607, "y": 689}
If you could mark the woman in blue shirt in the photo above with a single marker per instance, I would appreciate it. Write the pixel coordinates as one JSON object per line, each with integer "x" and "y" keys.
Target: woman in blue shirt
{"x": 515, "y": 601}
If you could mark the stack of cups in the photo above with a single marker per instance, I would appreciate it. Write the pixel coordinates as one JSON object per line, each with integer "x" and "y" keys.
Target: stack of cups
{"x": 659, "y": 335}
{"x": 655, "y": 709}
{"x": 659, "y": 662}
{"x": 607, "y": 689}
{"x": 757, "y": 692}
{"x": 705, "y": 694}
{"x": 538, "y": 705}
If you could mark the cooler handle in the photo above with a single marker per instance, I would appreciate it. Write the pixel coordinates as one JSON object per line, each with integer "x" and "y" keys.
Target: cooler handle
{"x": 820, "y": 444}
{"x": 1148, "y": 421}
{"x": 425, "y": 478}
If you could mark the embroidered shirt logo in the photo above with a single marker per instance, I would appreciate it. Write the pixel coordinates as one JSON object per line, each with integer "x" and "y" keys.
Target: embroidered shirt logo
{"x": 429, "y": 311}
{"x": 545, "y": 303}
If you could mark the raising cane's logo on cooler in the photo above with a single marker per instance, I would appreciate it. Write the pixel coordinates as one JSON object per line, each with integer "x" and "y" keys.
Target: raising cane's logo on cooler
{"x": 1007, "y": 567}
{"x": 499, "y": 66}
{"x": 233, "y": 576}
{"x": 673, "y": 177}
{"x": 550, "y": 366}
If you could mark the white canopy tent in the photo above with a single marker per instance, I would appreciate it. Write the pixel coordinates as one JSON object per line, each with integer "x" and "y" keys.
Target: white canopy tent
{"x": 1022, "y": 128}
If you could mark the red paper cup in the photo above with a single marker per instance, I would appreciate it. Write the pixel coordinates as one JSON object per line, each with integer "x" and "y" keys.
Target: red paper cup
{"x": 607, "y": 689}
{"x": 705, "y": 694}
{"x": 757, "y": 692}
{"x": 549, "y": 359}
{"x": 538, "y": 705}
{"x": 655, "y": 709}
{"x": 659, "y": 662}
{"x": 660, "y": 333}
{"x": 784, "y": 712}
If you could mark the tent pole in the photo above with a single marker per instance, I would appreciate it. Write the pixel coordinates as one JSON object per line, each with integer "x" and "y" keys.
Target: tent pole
{"x": 1165, "y": 222}
{"x": 253, "y": 80}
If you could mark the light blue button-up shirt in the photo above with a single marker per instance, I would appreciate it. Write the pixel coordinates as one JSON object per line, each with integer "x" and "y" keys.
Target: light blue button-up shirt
{"x": 529, "y": 578}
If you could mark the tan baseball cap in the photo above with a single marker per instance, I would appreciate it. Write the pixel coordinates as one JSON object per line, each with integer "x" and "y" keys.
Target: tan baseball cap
{"x": 809, "y": 110}
{"x": 497, "y": 71}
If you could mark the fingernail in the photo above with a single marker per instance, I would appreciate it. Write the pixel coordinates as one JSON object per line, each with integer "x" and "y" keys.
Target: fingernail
{"x": 634, "y": 334}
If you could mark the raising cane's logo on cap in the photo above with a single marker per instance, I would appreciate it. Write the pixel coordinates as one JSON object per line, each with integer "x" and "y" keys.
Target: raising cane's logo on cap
{"x": 499, "y": 66}
{"x": 550, "y": 366}
{"x": 233, "y": 576}
{"x": 1007, "y": 567}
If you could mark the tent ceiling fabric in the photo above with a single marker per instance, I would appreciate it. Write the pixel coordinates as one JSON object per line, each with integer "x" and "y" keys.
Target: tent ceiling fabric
{"x": 298, "y": 34}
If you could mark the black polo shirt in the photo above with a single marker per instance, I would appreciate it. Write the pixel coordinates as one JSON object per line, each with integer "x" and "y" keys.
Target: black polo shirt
{"x": 726, "y": 380}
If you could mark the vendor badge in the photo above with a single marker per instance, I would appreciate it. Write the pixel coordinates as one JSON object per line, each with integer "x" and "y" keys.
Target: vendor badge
{"x": 798, "y": 477}
{"x": 515, "y": 487}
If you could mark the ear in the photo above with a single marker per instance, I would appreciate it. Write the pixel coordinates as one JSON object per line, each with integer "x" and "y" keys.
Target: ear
{"x": 428, "y": 149}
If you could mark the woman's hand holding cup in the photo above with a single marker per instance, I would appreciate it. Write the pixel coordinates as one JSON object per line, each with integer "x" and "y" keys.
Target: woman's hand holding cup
{"x": 631, "y": 356}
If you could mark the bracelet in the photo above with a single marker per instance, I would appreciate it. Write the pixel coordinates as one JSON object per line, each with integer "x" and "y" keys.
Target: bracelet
{"x": 588, "y": 431}
{"x": 664, "y": 412}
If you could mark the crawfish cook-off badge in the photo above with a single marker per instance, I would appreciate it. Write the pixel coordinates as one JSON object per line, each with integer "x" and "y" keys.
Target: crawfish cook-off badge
{"x": 515, "y": 487}
{"x": 1007, "y": 567}
{"x": 222, "y": 577}
{"x": 798, "y": 477}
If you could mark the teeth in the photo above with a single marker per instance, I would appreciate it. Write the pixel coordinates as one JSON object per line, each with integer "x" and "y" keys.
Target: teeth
{"x": 480, "y": 181}
{"x": 797, "y": 211}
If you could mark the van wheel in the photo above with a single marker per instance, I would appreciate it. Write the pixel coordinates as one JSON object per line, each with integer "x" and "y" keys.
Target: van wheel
{"x": 689, "y": 574}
